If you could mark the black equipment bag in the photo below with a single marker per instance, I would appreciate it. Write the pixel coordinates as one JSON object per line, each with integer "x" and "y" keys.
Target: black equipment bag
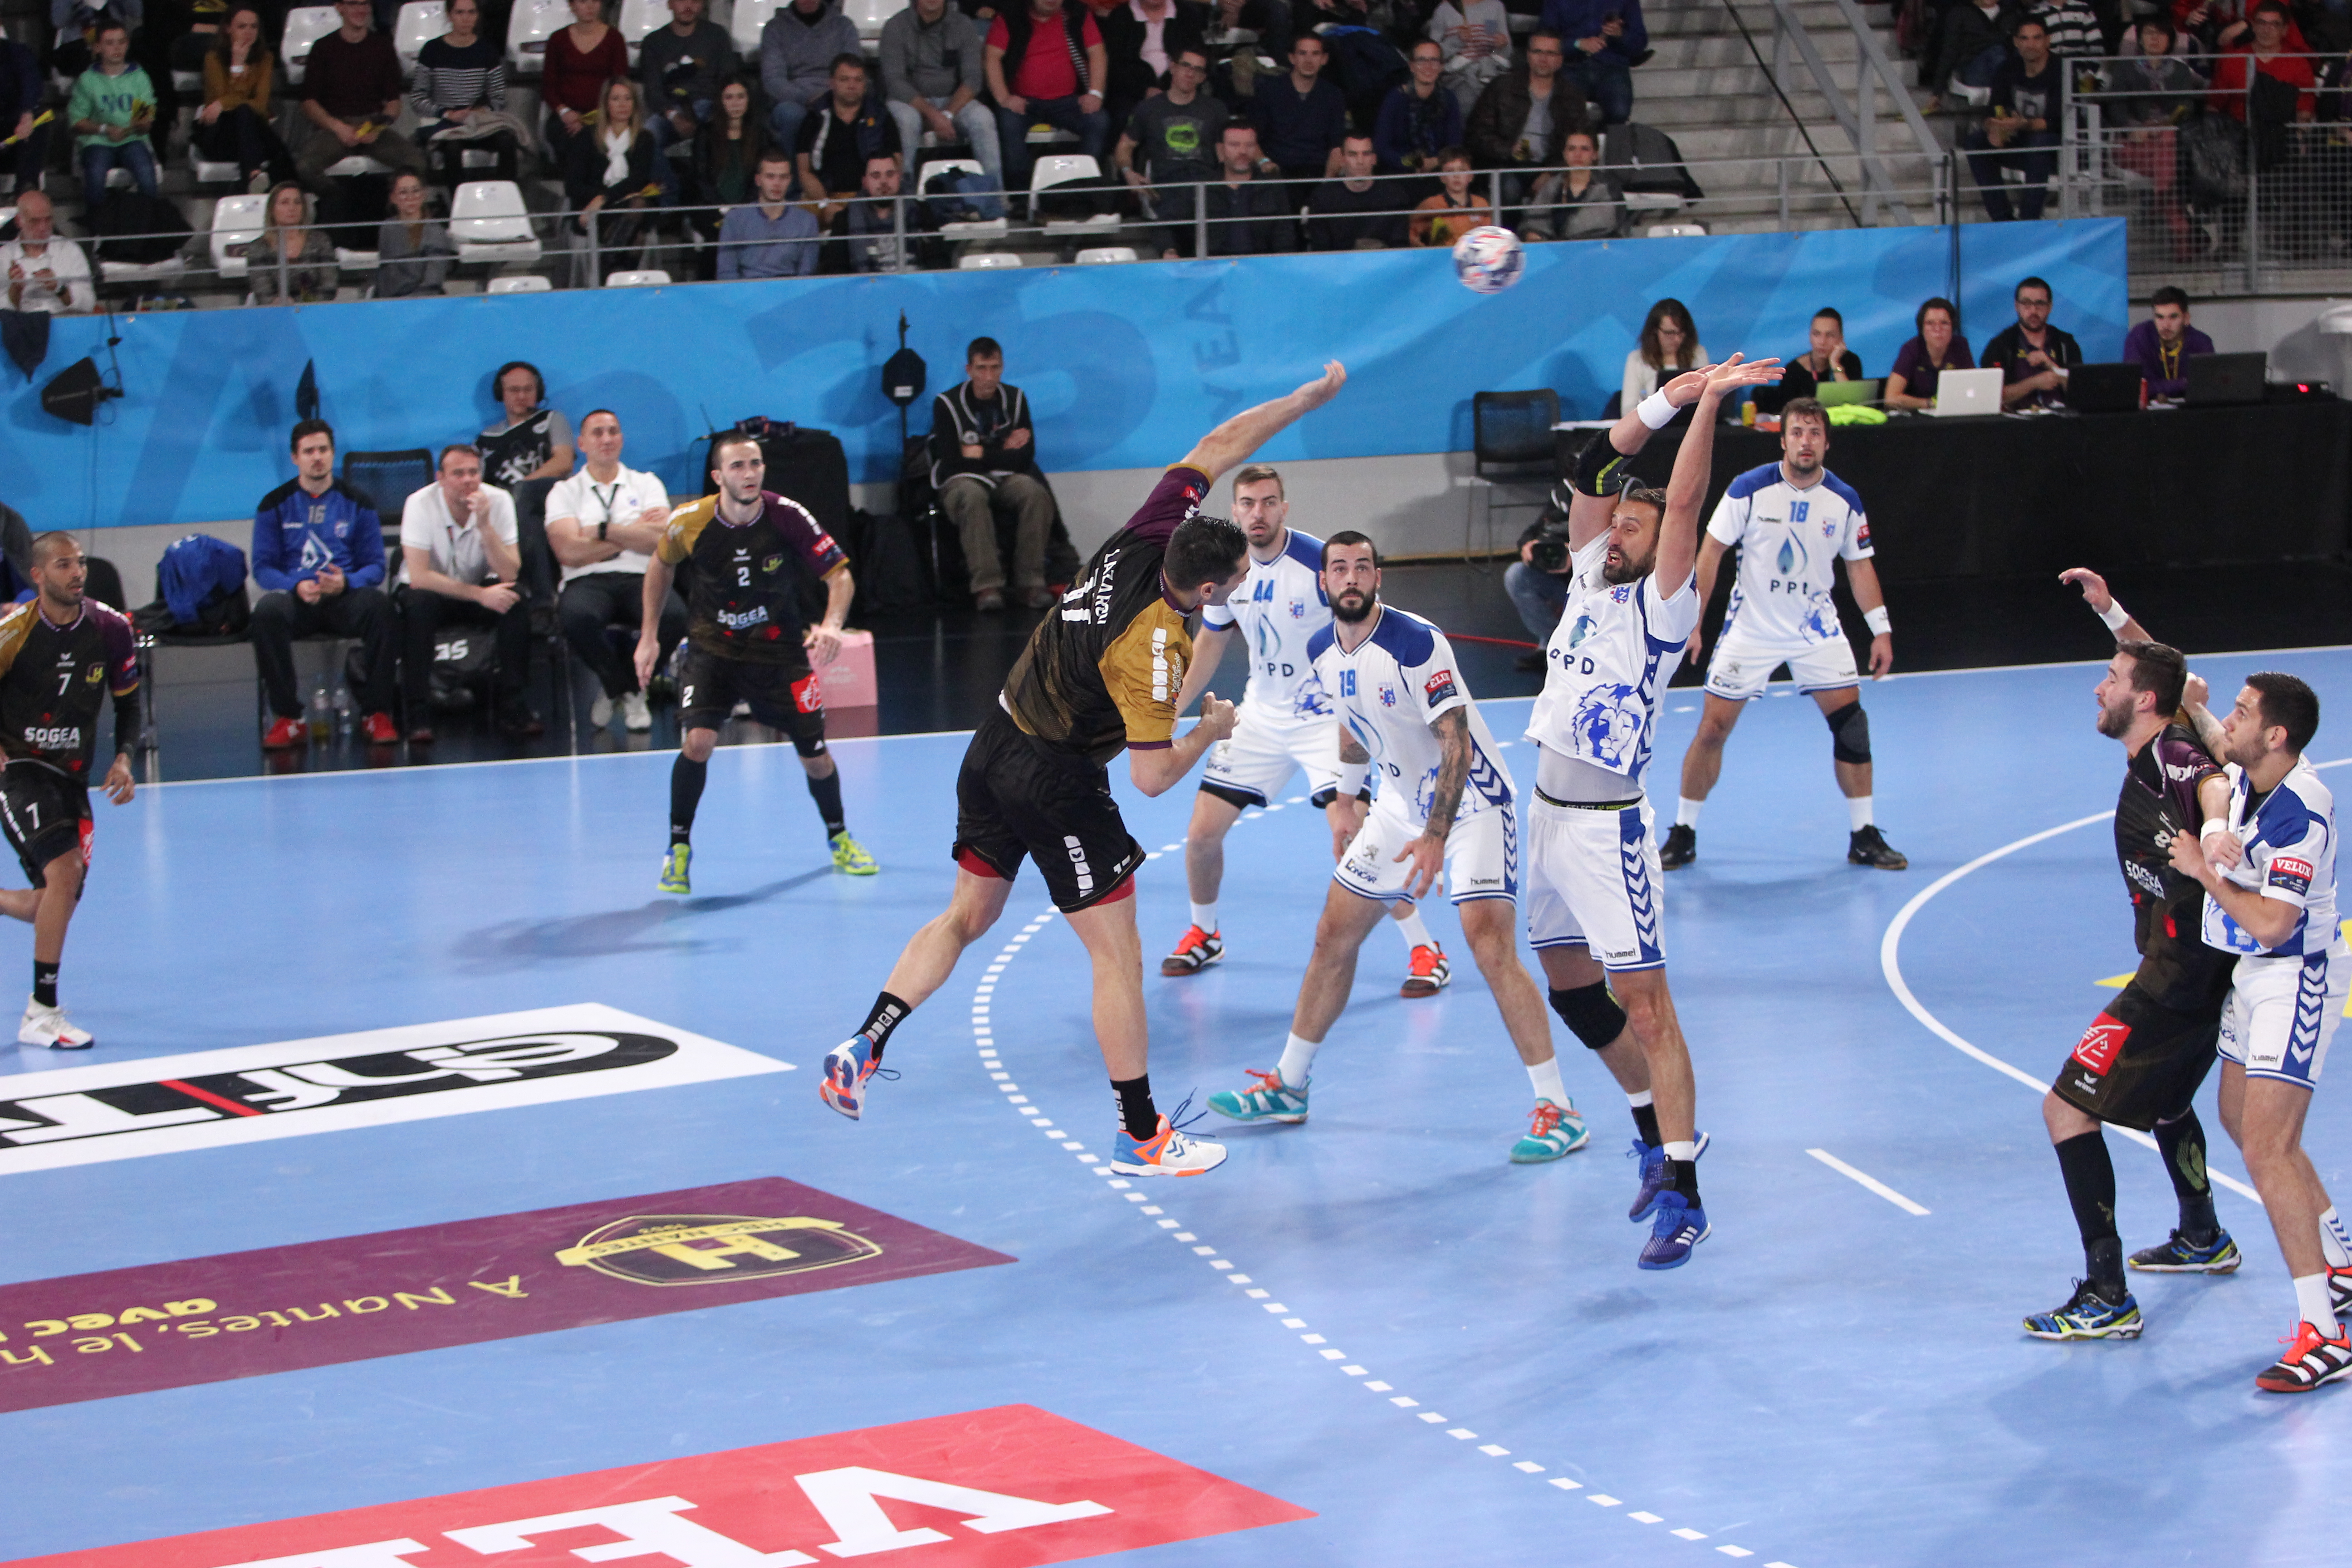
{"x": 163, "y": 229}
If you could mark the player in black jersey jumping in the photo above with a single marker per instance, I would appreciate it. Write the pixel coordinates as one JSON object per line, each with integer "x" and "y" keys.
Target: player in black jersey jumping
{"x": 2142, "y": 1059}
{"x": 60, "y": 655}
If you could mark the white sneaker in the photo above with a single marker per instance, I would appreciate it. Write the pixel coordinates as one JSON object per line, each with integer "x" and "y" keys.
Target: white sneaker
{"x": 49, "y": 1027}
{"x": 1168, "y": 1152}
{"x": 600, "y": 712}
{"x": 635, "y": 714}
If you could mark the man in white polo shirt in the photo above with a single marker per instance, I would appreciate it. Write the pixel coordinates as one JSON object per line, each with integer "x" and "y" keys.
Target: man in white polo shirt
{"x": 459, "y": 560}
{"x": 602, "y": 524}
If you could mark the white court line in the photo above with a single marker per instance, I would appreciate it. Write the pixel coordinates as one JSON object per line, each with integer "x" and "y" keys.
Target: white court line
{"x": 1873, "y": 1183}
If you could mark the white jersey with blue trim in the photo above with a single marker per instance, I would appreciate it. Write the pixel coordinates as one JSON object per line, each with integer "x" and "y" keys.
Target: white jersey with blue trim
{"x": 2290, "y": 856}
{"x": 1389, "y": 694}
{"x": 1278, "y": 608}
{"x": 1788, "y": 540}
{"x": 1616, "y": 646}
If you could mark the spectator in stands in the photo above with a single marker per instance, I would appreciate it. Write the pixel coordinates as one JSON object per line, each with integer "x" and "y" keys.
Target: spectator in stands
{"x": 350, "y": 96}
{"x": 1474, "y": 42}
{"x": 1668, "y": 346}
{"x": 45, "y": 273}
{"x": 459, "y": 91}
{"x": 1456, "y": 208}
{"x": 1354, "y": 212}
{"x": 533, "y": 441}
{"x": 1140, "y": 38}
{"x": 1604, "y": 38}
{"x": 681, "y": 68}
{"x": 318, "y": 558}
{"x": 603, "y": 524}
{"x": 2212, "y": 27}
{"x": 1246, "y": 216}
{"x": 1937, "y": 348}
{"x": 2151, "y": 94}
{"x": 2034, "y": 357}
{"x": 608, "y": 173}
{"x": 291, "y": 263}
{"x": 931, "y": 79}
{"x": 769, "y": 237}
{"x": 1300, "y": 117}
{"x": 2072, "y": 26}
{"x": 1519, "y": 119}
{"x": 836, "y": 140}
{"x": 1170, "y": 143}
{"x": 1045, "y": 65}
{"x": 234, "y": 125}
{"x": 1269, "y": 19}
{"x": 20, "y": 105}
{"x": 728, "y": 150}
{"x": 412, "y": 247}
{"x": 2272, "y": 58}
{"x": 1970, "y": 46}
{"x": 870, "y": 228}
{"x": 1826, "y": 359}
{"x": 2161, "y": 344}
{"x": 1419, "y": 118}
{"x": 580, "y": 59}
{"x": 984, "y": 462}
{"x": 459, "y": 562}
{"x": 797, "y": 49}
{"x": 2020, "y": 129}
{"x": 112, "y": 109}
{"x": 1580, "y": 202}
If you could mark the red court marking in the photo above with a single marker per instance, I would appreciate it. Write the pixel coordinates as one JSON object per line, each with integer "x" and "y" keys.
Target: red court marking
{"x": 780, "y": 1497}
{"x": 207, "y": 1096}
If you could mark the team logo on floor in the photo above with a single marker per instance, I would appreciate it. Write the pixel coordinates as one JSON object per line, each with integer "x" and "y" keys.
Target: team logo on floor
{"x": 116, "y": 1110}
{"x": 467, "y": 1281}
{"x": 1006, "y": 1488}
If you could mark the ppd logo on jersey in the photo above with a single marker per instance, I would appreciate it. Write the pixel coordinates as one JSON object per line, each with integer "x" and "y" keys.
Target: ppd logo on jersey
{"x": 167, "y": 1104}
{"x": 1006, "y": 1488}
{"x": 323, "y": 1303}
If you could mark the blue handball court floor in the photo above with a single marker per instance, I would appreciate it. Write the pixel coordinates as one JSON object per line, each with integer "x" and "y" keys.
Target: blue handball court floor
{"x": 1368, "y": 1341}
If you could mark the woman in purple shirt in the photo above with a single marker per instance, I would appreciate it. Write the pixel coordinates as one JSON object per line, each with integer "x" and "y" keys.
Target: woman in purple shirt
{"x": 1937, "y": 348}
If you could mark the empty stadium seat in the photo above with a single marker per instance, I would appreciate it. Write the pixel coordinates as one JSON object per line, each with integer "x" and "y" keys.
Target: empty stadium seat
{"x": 869, "y": 16}
{"x": 1107, "y": 255}
{"x": 649, "y": 278}
{"x": 305, "y": 25}
{"x": 751, "y": 17}
{"x": 640, "y": 19}
{"x": 356, "y": 164}
{"x": 419, "y": 23}
{"x": 211, "y": 173}
{"x": 489, "y": 222}
{"x": 987, "y": 260}
{"x": 1059, "y": 168}
{"x": 528, "y": 28}
{"x": 236, "y": 223}
{"x": 522, "y": 283}
{"x": 1675, "y": 231}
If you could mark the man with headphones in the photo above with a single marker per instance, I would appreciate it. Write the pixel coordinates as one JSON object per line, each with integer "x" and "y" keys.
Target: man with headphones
{"x": 524, "y": 454}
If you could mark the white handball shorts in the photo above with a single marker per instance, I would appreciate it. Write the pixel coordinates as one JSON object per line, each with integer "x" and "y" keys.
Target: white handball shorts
{"x": 1593, "y": 881}
{"x": 1742, "y": 665}
{"x": 1482, "y": 855}
{"x": 1257, "y": 759}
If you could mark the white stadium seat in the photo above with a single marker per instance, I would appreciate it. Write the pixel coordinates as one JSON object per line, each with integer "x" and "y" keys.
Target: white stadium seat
{"x": 522, "y": 283}
{"x": 236, "y": 224}
{"x": 751, "y": 17}
{"x": 489, "y": 223}
{"x": 869, "y": 16}
{"x": 419, "y": 23}
{"x": 528, "y": 28}
{"x": 1107, "y": 255}
{"x": 1053, "y": 169}
{"x": 975, "y": 228}
{"x": 988, "y": 261}
{"x": 639, "y": 19}
{"x": 1675, "y": 231}
{"x": 651, "y": 278}
{"x": 305, "y": 25}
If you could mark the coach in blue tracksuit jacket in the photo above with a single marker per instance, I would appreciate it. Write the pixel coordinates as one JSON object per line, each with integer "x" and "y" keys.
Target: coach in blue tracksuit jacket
{"x": 318, "y": 555}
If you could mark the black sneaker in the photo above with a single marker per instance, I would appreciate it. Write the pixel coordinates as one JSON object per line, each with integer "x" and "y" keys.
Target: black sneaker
{"x": 2181, "y": 1255}
{"x": 1867, "y": 848}
{"x": 1680, "y": 848}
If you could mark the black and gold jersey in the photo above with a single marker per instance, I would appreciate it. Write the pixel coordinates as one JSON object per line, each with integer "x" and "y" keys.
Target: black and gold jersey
{"x": 742, "y": 598}
{"x": 54, "y": 680}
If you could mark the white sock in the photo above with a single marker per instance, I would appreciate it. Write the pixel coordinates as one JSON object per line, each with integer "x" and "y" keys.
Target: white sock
{"x": 1640, "y": 1097}
{"x": 1857, "y": 813}
{"x": 1298, "y": 1060}
{"x": 2311, "y": 1299}
{"x": 1685, "y": 1151}
{"x": 1206, "y": 917}
{"x": 2333, "y": 1242}
{"x": 1408, "y": 926}
{"x": 1687, "y": 811}
{"x": 1544, "y": 1076}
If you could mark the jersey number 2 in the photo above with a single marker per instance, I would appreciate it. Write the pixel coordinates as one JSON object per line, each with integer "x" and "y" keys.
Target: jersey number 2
{"x": 742, "y": 576}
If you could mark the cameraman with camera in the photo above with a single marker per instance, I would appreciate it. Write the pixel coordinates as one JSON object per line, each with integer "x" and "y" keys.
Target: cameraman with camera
{"x": 1537, "y": 581}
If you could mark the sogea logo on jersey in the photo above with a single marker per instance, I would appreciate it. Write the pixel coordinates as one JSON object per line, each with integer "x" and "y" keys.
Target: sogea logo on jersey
{"x": 756, "y": 617}
{"x": 2101, "y": 1042}
{"x": 53, "y": 737}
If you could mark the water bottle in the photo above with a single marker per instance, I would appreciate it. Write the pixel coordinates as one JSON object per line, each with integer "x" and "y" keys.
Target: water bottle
{"x": 342, "y": 710}
{"x": 321, "y": 717}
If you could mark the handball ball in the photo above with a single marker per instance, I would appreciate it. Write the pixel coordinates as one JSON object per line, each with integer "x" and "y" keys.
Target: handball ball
{"x": 1488, "y": 260}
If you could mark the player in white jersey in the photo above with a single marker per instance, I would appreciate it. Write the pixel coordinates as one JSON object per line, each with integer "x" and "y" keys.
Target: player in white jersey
{"x": 1793, "y": 520}
{"x": 2269, "y": 875}
{"x": 1445, "y": 802}
{"x": 1285, "y": 723}
{"x": 1593, "y": 911}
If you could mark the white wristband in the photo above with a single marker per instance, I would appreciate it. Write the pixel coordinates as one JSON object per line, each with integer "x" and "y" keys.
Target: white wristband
{"x": 1656, "y": 412}
{"x": 2115, "y": 615}
{"x": 1351, "y": 778}
{"x": 2213, "y": 824}
{"x": 1875, "y": 619}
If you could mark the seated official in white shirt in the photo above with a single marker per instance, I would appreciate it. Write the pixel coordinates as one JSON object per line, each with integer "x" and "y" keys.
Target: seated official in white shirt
{"x": 602, "y": 524}
{"x": 458, "y": 562}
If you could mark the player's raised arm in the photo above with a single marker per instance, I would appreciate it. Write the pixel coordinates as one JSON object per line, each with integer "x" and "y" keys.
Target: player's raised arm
{"x": 1592, "y": 489}
{"x": 2118, "y": 619}
{"x": 1229, "y": 446}
{"x": 1694, "y": 465}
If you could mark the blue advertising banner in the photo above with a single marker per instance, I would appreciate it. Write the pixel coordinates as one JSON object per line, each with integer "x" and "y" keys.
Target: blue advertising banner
{"x": 1124, "y": 366}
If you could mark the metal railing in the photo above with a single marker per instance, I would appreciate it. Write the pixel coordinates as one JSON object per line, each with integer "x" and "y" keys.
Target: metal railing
{"x": 1857, "y": 115}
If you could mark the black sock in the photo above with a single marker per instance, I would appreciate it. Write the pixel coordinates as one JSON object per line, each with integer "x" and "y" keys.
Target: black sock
{"x": 2182, "y": 1144}
{"x": 2090, "y": 1177}
{"x": 44, "y": 984}
{"x": 1136, "y": 1112}
{"x": 826, "y": 793}
{"x": 888, "y": 1013}
{"x": 687, "y": 778}
{"x": 1645, "y": 1124}
{"x": 1682, "y": 1176}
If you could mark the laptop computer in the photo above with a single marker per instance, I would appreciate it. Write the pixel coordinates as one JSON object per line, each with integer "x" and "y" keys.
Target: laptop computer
{"x": 2218, "y": 380}
{"x": 1830, "y": 393}
{"x": 2104, "y": 388}
{"x": 1961, "y": 392}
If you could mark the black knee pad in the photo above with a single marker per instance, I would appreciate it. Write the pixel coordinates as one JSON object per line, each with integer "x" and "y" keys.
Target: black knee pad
{"x": 1849, "y": 733}
{"x": 1591, "y": 1013}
